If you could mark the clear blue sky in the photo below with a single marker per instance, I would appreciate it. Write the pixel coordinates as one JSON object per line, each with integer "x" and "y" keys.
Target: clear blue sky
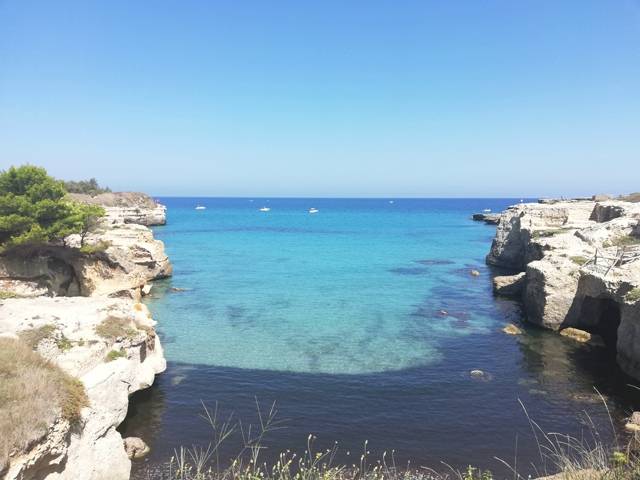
{"x": 255, "y": 97}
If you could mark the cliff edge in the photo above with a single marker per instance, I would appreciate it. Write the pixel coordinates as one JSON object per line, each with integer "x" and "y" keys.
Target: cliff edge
{"x": 576, "y": 264}
{"x": 79, "y": 308}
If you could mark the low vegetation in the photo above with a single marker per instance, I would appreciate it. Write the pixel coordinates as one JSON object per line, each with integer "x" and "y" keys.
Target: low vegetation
{"x": 113, "y": 328}
{"x": 558, "y": 453}
{"x": 549, "y": 233}
{"x": 4, "y": 295}
{"x": 33, "y": 393}
{"x": 87, "y": 187}
{"x": 94, "y": 248}
{"x": 33, "y": 336}
{"x": 633, "y": 295}
{"x": 624, "y": 241}
{"x": 114, "y": 355}
{"x": 578, "y": 259}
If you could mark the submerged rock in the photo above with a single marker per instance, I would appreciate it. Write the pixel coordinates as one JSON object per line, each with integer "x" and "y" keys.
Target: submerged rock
{"x": 582, "y": 336}
{"x": 512, "y": 329}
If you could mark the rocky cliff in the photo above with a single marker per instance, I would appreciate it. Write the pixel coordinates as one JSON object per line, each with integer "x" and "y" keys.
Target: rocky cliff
{"x": 127, "y": 207}
{"x": 87, "y": 303}
{"x": 581, "y": 266}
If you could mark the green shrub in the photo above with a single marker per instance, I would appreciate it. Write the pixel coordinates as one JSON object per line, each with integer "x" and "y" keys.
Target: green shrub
{"x": 34, "y": 210}
{"x": 633, "y": 295}
{"x": 579, "y": 259}
{"x": 88, "y": 187}
{"x": 114, "y": 355}
{"x": 5, "y": 295}
{"x": 92, "y": 249}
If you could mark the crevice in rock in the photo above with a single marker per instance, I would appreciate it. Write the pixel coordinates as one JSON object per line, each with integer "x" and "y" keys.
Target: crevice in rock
{"x": 601, "y": 316}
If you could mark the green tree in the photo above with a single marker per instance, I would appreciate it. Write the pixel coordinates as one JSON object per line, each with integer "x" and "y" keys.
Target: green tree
{"x": 34, "y": 210}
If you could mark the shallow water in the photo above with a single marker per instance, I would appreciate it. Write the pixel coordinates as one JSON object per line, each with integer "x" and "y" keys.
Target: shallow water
{"x": 362, "y": 322}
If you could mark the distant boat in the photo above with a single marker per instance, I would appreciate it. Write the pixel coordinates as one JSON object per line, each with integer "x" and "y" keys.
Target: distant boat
{"x": 265, "y": 209}
{"x": 313, "y": 210}
{"x": 391, "y": 201}
{"x": 487, "y": 210}
{"x": 201, "y": 207}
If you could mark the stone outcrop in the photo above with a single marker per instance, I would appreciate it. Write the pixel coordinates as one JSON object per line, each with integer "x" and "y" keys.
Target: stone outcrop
{"x": 578, "y": 261}
{"x": 127, "y": 207}
{"x": 509, "y": 285}
{"x": 126, "y": 257}
{"x": 488, "y": 218}
{"x": 97, "y": 332}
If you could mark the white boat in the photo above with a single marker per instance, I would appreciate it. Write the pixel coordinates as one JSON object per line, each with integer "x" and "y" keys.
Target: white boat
{"x": 313, "y": 210}
{"x": 391, "y": 201}
{"x": 265, "y": 209}
{"x": 201, "y": 207}
{"x": 487, "y": 210}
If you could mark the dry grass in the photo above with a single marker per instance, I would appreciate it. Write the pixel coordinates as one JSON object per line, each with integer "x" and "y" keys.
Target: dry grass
{"x": 34, "y": 336}
{"x": 624, "y": 241}
{"x": 585, "y": 458}
{"x": 33, "y": 393}
{"x": 113, "y": 328}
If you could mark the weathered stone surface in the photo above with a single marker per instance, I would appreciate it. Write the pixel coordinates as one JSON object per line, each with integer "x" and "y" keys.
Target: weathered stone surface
{"x": 584, "y": 474}
{"x": 127, "y": 207}
{"x": 566, "y": 250}
{"x": 130, "y": 259}
{"x": 96, "y": 450}
{"x": 82, "y": 291}
{"x": 509, "y": 285}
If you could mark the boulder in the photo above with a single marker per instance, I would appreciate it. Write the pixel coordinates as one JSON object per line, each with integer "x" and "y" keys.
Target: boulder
{"x": 582, "y": 336}
{"x": 474, "y": 273}
{"x": 509, "y": 285}
{"x": 512, "y": 329}
{"x": 135, "y": 447}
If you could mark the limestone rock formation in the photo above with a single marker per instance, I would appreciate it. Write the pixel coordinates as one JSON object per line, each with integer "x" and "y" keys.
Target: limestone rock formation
{"x": 94, "y": 451}
{"x": 126, "y": 257}
{"x": 509, "y": 285}
{"x": 87, "y": 303}
{"x": 127, "y": 207}
{"x": 579, "y": 264}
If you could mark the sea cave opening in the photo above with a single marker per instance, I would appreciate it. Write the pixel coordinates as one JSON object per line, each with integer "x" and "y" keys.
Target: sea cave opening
{"x": 601, "y": 316}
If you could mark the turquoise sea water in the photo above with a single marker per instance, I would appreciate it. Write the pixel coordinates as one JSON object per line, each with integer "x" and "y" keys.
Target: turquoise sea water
{"x": 362, "y": 322}
{"x": 343, "y": 291}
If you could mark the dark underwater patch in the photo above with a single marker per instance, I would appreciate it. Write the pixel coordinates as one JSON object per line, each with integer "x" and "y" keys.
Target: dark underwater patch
{"x": 409, "y": 270}
{"x": 435, "y": 261}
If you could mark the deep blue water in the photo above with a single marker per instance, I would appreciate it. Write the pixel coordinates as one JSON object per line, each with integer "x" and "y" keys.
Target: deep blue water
{"x": 361, "y": 322}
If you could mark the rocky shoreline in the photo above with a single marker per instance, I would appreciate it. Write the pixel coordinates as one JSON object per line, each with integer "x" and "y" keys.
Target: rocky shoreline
{"x": 575, "y": 264}
{"x": 88, "y": 303}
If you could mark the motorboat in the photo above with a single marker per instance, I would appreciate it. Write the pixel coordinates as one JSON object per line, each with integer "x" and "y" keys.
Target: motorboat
{"x": 200, "y": 207}
{"x": 265, "y": 209}
{"x": 313, "y": 210}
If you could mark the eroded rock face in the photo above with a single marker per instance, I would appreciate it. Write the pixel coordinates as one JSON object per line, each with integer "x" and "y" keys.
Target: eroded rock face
{"x": 130, "y": 259}
{"x": 509, "y": 285}
{"x": 566, "y": 251}
{"x": 95, "y": 450}
{"x": 127, "y": 207}
{"x": 72, "y": 292}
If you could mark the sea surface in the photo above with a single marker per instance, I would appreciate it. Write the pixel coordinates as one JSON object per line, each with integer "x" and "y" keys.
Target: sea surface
{"x": 362, "y": 322}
